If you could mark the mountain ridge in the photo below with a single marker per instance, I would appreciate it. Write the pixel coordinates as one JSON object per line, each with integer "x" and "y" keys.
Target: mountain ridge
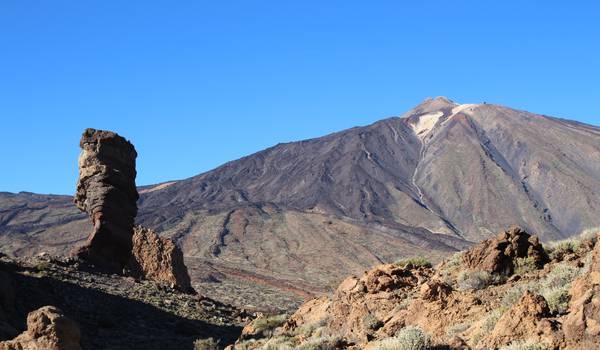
{"x": 431, "y": 181}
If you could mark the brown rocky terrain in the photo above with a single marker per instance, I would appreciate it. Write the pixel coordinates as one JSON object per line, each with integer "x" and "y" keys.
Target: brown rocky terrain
{"x": 295, "y": 219}
{"x": 69, "y": 305}
{"x": 507, "y": 292}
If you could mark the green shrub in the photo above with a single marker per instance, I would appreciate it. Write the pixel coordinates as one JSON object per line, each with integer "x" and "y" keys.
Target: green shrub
{"x": 590, "y": 234}
{"x": 305, "y": 330}
{"x": 525, "y": 265}
{"x": 455, "y": 260}
{"x": 320, "y": 343}
{"x": 561, "y": 275}
{"x": 408, "y": 338}
{"x": 529, "y": 345}
{"x": 557, "y": 298}
{"x": 206, "y": 344}
{"x": 414, "y": 261}
{"x": 279, "y": 343}
{"x": 268, "y": 323}
{"x": 554, "y": 288}
{"x": 474, "y": 280}
{"x": 370, "y": 322}
{"x": 558, "y": 249}
{"x": 457, "y": 329}
{"x": 492, "y": 318}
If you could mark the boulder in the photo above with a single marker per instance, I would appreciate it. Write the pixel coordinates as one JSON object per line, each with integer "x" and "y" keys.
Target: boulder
{"x": 47, "y": 329}
{"x": 106, "y": 191}
{"x": 159, "y": 259}
{"x": 498, "y": 255}
{"x": 359, "y": 307}
{"x": 582, "y": 324}
{"x": 525, "y": 321}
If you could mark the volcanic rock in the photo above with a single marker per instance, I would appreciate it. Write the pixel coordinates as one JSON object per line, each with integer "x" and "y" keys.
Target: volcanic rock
{"x": 359, "y": 304}
{"x": 497, "y": 255}
{"x": 106, "y": 191}
{"x": 582, "y": 324}
{"x": 48, "y": 329}
{"x": 525, "y": 321}
{"x": 159, "y": 259}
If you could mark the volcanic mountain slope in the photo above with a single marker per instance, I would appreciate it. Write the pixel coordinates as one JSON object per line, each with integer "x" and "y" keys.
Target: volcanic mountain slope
{"x": 300, "y": 216}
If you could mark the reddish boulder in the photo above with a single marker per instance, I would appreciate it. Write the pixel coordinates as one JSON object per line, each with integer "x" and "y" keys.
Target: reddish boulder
{"x": 582, "y": 324}
{"x": 497, "y": 255}
{"x": 106, "y": 191}
{"x": 525, "y": 321}
{"x": 159, "y": 259}
{"x": 48, "y": 329}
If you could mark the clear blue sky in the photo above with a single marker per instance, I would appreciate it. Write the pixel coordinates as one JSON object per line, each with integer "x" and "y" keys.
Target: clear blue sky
{"x": 197, "y": 83}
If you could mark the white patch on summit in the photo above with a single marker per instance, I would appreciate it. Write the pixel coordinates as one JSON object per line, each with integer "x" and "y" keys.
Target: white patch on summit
{"x": 462, "y": 107}
{"x": 425, "y": 123}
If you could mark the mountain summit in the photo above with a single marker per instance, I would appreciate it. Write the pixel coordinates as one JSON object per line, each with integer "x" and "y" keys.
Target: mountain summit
{"x": 298, "y": 216}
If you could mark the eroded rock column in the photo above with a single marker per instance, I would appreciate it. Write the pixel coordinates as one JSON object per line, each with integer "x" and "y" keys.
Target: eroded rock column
{"x": 106, "y": 191}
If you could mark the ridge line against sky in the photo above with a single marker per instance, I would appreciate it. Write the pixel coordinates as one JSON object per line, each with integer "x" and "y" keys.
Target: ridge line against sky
{"x": 202, "y": 83}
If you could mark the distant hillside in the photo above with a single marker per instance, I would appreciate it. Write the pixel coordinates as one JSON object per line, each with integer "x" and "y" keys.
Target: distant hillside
{"x": 297, "y": 217}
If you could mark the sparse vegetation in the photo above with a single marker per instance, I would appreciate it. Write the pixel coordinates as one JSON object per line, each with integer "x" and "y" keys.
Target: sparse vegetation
{"x": 455, "y": 259}
{"x": 414, "y": 262}
{"x": 492, "y": 318}
{"x": 554, "y": 288}
{"x": 371, "y": 322}
{"x": 320, "y": 343}
{"x": 557, "y": 298}
{"x": 474, "y": 280}
{"x": 558, "y": 249}
{"x": 268, "y": 323}
{"x": 279, "y": 343}
{"x": 408, "y": 338}
{"x": 488, "y": 324}
{"x": 206, "y": 344}
{"x": 403, "y": 305}
{"x": 525, "y": 265}
{"x": 515, "y": 293}
{"x": 457, "y": 329}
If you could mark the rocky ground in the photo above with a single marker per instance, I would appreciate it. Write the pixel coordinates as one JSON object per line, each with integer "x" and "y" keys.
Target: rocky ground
{"x": 507, "y": 293}
{"x": 111, "y": 311}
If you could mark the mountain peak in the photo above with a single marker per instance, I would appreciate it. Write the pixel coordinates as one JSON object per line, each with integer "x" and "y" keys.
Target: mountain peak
{"x": 433, "y": 105}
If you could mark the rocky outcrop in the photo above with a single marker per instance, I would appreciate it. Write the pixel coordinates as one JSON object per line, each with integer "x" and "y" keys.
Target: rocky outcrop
{"x": 525, "y": 321}
{"x": 527, "y": 310}
{"x": 47, "y": 329}
{"x": 359, "y": 305}
{"x": 582, "y": 324}
{"x": 499, "y": 254}
{"x": 106, "y": 191}
{"x": 159, "y": 259}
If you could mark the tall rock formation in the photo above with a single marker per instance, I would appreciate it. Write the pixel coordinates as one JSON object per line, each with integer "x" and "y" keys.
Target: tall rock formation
{"x": 106, "y": 191}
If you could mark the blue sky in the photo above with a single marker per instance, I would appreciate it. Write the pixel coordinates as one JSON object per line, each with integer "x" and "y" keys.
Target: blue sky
{"x": 194, "y": 84}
